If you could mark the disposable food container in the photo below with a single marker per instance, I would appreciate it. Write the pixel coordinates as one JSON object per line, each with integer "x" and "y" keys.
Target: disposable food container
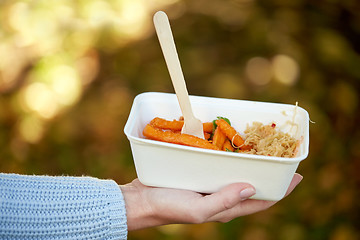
{"x": 162, "y": 164}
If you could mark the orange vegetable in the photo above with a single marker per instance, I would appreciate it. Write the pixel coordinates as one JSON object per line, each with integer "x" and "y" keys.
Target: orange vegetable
{"x": 177, "y": 138}
{"x": 208, "y": 127}
{"x": 232, "y": 134}
{"x": 228, "y": 146}
{"x": 219, "y": 138}
{"x": 207, "y": 135}
{"x": 176, "y": 125}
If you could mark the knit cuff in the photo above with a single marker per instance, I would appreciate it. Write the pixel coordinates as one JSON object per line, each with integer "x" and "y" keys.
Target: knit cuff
{"x": 117, "y": 211}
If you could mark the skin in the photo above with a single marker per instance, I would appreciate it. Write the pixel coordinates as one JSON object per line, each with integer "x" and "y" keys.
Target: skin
{"x": 150, "y": 207}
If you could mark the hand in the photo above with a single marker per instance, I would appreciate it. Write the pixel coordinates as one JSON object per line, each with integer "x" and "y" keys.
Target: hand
{"x": 150, "y": 206}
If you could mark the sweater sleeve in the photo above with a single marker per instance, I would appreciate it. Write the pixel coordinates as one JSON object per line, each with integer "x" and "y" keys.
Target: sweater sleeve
{"x": 47, "y": 207}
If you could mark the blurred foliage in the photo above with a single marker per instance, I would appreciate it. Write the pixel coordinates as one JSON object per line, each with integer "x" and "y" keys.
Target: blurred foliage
{"x": 69, "y": 71}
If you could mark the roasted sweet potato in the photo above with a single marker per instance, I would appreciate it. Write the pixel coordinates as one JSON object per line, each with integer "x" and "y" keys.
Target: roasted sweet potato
{"x": 166, "y": 124}
{"x": 228, "y": 146}
{"x": 176, "y": 125}
{"x": 218, "y": 138}
{"x": 153, "y": 133}
{"x": 232, "y": 134}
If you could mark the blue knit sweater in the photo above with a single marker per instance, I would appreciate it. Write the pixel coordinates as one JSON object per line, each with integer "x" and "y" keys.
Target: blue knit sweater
{"x": 45, "y": 207}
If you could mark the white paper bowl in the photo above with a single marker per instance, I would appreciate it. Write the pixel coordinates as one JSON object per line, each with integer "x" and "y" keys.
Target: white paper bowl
{"x": 162, "y": 164}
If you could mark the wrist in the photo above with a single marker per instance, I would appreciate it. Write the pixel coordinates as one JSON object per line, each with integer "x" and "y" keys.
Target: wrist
{"x": 140, "y": 214}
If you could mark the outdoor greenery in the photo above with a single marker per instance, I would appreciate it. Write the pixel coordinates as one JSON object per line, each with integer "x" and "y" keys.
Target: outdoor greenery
{"x": 70, "y": 69}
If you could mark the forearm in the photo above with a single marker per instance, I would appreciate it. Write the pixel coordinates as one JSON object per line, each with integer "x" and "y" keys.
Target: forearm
{"x": 44, "y": 207}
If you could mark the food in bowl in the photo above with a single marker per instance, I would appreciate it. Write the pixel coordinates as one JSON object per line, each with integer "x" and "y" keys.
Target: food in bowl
{"x": 259, "y": 139}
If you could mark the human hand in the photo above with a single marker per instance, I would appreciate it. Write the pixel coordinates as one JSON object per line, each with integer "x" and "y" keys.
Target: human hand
{"x": 150, "y": 206}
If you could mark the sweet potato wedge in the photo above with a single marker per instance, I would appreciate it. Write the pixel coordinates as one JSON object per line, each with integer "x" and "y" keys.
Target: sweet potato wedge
{"x": 153, "y": 133}
{"x": 232, "y": 134}
{"x": 218, "y": 138}
{"x": 176, "y": 125}
{"x": 228, "y": 146}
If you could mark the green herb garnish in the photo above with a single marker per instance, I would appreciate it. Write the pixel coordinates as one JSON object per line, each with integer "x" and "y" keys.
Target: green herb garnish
{"x": 218, "y": 118}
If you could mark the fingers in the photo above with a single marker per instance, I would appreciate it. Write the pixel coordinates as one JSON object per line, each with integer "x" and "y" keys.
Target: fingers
{"x": 250, "y": 206}
{"x": 180, "y": 206}
{"x": 294, "y": 182}
{"x": 225, "y": 199}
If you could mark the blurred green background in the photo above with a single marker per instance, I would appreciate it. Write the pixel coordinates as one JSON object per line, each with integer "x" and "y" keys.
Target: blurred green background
{"x": 69, "y": 71}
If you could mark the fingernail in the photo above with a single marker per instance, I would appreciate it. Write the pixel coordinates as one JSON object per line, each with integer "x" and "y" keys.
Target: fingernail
{"x": 247, "y": 192}
{"x": 300, "y": 178}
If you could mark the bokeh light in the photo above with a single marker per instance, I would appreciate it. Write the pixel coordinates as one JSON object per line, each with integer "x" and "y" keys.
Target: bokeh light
{"x": 40, "y": 98}
{"x": 31, "y": 129}
{"x": 259, "y": 70}
{"x": 286, "y": 69}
